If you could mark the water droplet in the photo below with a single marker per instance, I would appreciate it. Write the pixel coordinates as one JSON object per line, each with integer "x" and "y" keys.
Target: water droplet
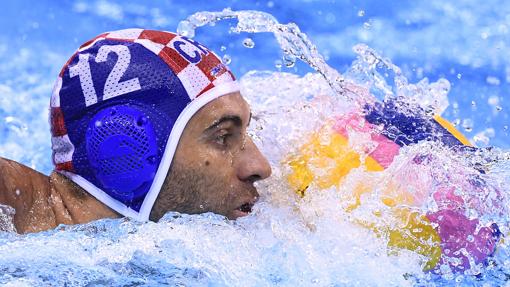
{"x": 278, "y": 64}
{"x": 98, "y": 124}
{"x": 467, "y": 124}
{"x": 18, "y": 192}
{"x": 493, "y": 100}
{"x": 289, "y": 61}
{"x": 491, "y": 80}
{"x": 201, "y": 206}
{"x": 473, "y": 103}
{"x": 490, "y": 132}
{"x": 185, "y": 28}
{"x": 361, "y": 13}
{"x": 459, "y": 76}
{"x": 367, "y": 25}
{"x": 223, "y": 48}
{"x": 16, "y": 125}
{"x": 226, "y": 59}
{"x": 470, "y": 238}
{"x": 248, "y": 43}
{"x": 499, "y": 108}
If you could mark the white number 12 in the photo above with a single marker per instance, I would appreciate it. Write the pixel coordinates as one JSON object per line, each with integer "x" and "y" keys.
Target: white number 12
{"x": 113, "y": 87}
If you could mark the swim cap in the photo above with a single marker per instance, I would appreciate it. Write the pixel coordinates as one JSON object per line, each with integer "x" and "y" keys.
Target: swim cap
{"x": 119, "y": 107}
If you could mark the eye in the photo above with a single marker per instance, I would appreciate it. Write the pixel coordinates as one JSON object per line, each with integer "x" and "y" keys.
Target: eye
{"x": 221, "y": 139}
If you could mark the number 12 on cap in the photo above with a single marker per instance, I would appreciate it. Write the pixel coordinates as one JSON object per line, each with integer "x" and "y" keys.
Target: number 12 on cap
{"x": 113, "y": 86}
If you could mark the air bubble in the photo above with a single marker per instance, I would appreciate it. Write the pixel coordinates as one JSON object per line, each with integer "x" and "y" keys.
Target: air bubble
{"x": 367, "y": 25}
{"x": 459, "y": 76}
{"x": 361, "y": 13}
{"x": 223, "y": 48}
{"x": 248, "y": 43}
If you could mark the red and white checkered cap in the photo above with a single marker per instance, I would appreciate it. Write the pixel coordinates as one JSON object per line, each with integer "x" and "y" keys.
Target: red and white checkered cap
{"x": 197, "y": 77}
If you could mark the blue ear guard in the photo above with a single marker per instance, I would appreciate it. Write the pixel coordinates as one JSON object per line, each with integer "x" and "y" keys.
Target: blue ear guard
{"x": 121, "y": 146}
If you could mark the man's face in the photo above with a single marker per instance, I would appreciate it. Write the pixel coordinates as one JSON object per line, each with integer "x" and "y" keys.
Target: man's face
{"x": 215, "y": 164}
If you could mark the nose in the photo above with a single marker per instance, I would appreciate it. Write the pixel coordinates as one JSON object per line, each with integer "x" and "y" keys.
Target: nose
{"x": 252, "y": 164}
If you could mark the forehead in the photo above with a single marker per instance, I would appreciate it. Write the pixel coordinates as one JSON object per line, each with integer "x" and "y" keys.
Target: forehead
{"x": 232, "y": 104}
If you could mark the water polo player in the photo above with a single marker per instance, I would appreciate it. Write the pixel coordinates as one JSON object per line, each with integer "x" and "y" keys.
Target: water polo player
{"x": 142, "y": 122}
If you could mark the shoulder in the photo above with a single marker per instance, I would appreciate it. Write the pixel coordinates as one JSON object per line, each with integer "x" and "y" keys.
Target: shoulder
{"x": 27, "y": 191}
{"x": 17, "y": 175}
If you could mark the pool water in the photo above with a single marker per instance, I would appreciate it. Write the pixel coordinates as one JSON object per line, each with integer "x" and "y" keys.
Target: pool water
{"x": 288, "y": 240}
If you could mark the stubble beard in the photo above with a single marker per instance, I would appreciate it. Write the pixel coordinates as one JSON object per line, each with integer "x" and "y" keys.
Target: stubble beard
{"x": 185, "y": 190}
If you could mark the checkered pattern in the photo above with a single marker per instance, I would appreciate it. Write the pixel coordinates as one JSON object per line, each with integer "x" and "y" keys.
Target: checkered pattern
{"x": 196, "y": 77}
{"x": 62, "y": 146}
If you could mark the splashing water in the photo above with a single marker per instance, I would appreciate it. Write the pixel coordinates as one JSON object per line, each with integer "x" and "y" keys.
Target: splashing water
{"x": 7, "y": 218}
{"x": 292, "y": 41}
{"x": 287, "y": 240}
{"x": 481, "y": 206}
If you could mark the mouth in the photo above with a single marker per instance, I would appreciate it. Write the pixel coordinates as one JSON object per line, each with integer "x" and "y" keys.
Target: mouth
{"x": 246, "y": 208}
{"x": 242, "y": 210}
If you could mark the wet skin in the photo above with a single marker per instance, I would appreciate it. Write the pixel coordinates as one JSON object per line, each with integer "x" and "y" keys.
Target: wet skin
{"x": 216, "y": 163}
{"x": 214, "y": 169}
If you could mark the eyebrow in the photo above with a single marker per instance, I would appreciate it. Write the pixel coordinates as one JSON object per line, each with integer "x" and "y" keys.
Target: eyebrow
{"x": 228, "y": 118}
